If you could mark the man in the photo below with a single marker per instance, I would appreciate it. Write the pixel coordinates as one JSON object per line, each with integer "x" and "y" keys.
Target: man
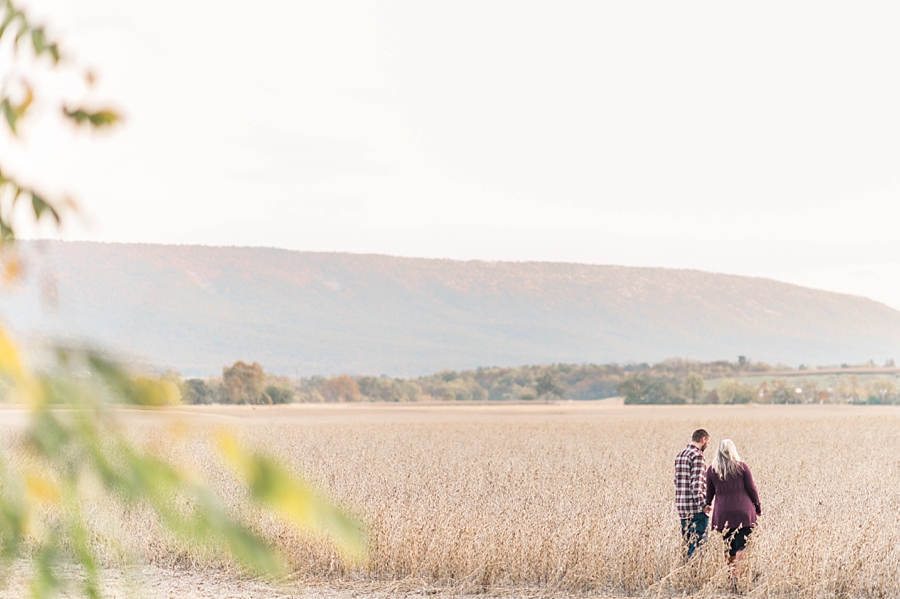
{"x": 690, "y": 491}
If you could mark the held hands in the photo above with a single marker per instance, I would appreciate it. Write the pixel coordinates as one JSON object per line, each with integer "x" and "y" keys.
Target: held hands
{"x": 707, "y": 510}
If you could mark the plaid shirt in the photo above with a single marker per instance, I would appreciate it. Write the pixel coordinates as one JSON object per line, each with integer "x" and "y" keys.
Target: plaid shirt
{"x": 690, "y": 482}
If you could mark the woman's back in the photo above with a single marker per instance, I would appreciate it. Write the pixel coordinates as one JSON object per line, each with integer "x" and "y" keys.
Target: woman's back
{"x": 737, "y": 499}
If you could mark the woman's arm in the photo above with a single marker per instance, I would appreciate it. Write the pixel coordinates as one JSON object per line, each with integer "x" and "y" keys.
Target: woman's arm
{"x": 750, "y": 486}
{"x": 710, "y": 486}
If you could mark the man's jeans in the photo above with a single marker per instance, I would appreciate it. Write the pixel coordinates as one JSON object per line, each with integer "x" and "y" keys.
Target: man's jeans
{"x": 693, "y": 530}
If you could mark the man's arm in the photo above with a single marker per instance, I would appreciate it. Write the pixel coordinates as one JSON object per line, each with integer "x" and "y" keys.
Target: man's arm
{"x": 698, "y": 478}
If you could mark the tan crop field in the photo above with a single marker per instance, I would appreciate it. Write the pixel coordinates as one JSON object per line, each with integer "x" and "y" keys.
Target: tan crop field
{"x": 542, "y": 500}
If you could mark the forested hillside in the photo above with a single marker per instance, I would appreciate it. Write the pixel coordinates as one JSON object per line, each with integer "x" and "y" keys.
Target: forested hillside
{"x": 196, "y": 309}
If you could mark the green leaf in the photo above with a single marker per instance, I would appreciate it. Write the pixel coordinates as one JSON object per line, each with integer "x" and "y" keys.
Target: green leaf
{"x": 23, "y": 30}
{"x": 10, "y": 113}
{"x": 101, "y": 118}
{"x": 14, "y": 113}
{"x": 42, "y": 46}
{"x": 273, "y": 486}
{"x": 10, "y": 16}
{"x": 41, "y": 205}
{"x": 38, "y": 40}
{"x": 104, "y": 118}
{"x": 6, "y": 233}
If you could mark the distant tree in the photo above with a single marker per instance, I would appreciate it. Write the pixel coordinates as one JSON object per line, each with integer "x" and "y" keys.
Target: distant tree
{"x": 882, "y": 391}
{"x": 546, "y": 386}
{"x": 279, "y": 394}
{"x": 848, "y": 389}
{"x": 244, "y": 383}
{"x": 196, "y": 391}
{"x": 664, "y": 392}
{"x": 693, "y": 388}
{"x": 634, "y": 388}
{"x": 780, "y": 391}
{"x": 731, "y": 391}
{"x": 384, "y": 388}
{"x": 809, "y": 391}
{"x": 341, "y": 388}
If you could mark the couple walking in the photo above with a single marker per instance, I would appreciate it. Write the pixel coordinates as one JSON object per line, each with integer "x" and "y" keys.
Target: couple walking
{"x": 726, "y": 489}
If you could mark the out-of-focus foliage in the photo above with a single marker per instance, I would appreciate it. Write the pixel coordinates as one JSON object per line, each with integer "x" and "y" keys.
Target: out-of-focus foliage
{"x": 27, "y": 51}
{"x": 72, "y": 454}
{"x": 73, "y": 449}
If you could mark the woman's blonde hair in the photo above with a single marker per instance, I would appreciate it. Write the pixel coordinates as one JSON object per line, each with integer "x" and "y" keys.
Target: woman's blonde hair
{"x": 727, "y": 462}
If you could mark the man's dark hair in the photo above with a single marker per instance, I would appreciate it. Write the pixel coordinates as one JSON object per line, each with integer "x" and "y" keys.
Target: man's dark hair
{"x": 699, "y": 435}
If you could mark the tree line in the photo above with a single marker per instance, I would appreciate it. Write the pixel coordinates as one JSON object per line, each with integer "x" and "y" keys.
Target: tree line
{"x": 642, "y": 388}
{"x": 671, "y": 381}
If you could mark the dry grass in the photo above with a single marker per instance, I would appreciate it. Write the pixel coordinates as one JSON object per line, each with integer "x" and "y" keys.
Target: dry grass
{"x": 563, "y": 499}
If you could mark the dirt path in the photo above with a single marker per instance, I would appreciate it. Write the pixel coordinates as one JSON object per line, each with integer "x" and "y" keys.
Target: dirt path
{"x": 150, "y": 582}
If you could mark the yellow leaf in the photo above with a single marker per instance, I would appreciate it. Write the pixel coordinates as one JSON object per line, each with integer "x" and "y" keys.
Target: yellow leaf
{"x": 11, "y": 366}
{"x": 273, "y": 486}
{"x": 156, "y": 393}
{"x": 12, "y": 270}
{"x": 10, "y": 363}
{"x": 41, "y": 489}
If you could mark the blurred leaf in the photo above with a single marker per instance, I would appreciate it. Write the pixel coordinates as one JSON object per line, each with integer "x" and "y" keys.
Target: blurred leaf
{"x": 273, "y": 486}
{"x": 12, "y": 270}
{"x": 44, "y": 582}
{"x": 41, "y": 489}
{"x": 41, "y": 205}
{"x": 15, "y": 112}
{"x": 156, "y": 393}
{"x": 101, "y": 118}
{"x": 38, "y": 40}
{"x": 8, "y": 19}
{"x": 6, "y": 232}
{"x": 10, "y": 113}
{"x": 23, "y": 31}
{"x": 10, "y": 363}
{"x": 42, "y": 46}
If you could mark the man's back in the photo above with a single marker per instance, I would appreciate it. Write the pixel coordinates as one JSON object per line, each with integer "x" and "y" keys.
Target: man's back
{"x": 690, "y": 481}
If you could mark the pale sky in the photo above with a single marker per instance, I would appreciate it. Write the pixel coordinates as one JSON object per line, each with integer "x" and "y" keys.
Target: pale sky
{"x": 748, "y": 138}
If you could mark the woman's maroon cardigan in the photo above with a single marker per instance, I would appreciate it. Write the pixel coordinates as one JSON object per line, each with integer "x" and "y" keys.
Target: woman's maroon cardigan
{"x": 737, "y": 500}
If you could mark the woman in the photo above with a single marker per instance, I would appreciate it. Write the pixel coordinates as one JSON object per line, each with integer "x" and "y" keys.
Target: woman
{"x": 729, "y": 481}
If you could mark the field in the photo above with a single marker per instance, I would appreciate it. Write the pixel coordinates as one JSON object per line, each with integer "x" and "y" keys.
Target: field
{"x": 539, "y": 500}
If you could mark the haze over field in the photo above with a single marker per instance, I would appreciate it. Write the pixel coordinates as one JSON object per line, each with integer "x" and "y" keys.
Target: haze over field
{"x": 197, "y": 309}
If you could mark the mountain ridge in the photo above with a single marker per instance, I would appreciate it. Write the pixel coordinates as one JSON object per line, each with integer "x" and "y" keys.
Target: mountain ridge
{"x": 197, "y": 308}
